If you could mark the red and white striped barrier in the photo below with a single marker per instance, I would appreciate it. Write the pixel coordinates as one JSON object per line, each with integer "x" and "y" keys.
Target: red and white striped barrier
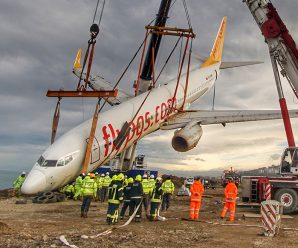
{"x": 271, "y": 217}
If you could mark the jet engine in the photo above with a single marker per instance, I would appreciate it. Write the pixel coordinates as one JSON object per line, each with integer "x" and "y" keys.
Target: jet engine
{"x": 188, "y": 137}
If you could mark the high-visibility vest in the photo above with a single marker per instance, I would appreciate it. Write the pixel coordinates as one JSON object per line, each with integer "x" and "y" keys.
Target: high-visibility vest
{"x": 19, "y": 182}
{"x": 115, "y": 192}
{"x": 231, "y": 192}
{"x": 79, "y": 182}
{"x": 146, "y": 186}
{"x": 152, "y": 183}
{"x": 156, "y": 193}
{"x": 69, "y": 189}
{"x": 196, "y": 190}
{"x": 89, "y": 187}
{"x": 106, "y": 182}
{"x": 168, "y": 187}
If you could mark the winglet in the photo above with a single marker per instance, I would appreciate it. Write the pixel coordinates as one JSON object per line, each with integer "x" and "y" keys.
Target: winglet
{"x": 217, "y": 49}
{"x": 77, "y": 63}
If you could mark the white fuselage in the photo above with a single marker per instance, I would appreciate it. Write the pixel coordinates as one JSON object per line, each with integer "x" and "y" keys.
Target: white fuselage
{"x": 63, "y": 160}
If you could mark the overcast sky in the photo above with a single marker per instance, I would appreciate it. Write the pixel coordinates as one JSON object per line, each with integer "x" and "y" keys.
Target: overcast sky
{"x": 38, "y": 44}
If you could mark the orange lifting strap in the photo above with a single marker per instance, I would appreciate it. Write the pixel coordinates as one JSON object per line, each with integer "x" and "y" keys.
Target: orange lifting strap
{"x": 91, "y": 138}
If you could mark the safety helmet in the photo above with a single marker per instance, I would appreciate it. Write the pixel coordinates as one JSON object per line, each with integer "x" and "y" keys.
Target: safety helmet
{"x": 158, "y": 179}
{"x": 152, "y": 176}
{"x": 102, "y": 175}
{"x": 88, "y": 174}
{"x": 130, "y": 180}
{"x": 107, "y": 173}
{"x": 23, "y": 173}
{"x": 114, "y": 177}
{"x": 120, "y": 177}
{"x": 138, "y": 178}
{"x": 96, "y": 173}
{"x": 82, "y": 174}
{"x": 125, "y": 176}
{"x": 145, "y": 176}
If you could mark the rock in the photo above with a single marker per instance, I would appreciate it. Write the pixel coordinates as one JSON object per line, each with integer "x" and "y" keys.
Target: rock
{"x": 45, "y": 238}
{"x": 53, "y": 245}
{"x": 21, "y": 201}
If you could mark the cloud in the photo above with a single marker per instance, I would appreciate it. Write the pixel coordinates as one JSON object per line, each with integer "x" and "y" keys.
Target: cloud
{"x": 38, "y": 45}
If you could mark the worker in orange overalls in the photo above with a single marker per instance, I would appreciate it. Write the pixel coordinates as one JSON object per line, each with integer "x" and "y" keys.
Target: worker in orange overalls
{"x": 230, "y": 199}
{"x": 196, "y": 190}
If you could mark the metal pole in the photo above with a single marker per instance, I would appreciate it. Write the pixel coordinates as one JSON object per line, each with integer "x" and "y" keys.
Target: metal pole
{"x": 283, "y": 104}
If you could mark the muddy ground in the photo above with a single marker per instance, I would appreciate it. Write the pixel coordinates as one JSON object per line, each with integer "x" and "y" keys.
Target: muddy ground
{"x": 41, "y": 225}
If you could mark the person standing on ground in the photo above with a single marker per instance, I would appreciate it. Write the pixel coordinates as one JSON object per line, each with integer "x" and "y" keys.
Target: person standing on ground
{"x": 230, "y": 199}
{"x": 89, "y": 189}
{"x": 78, "y": 186}
{"x": 105, "y": 185}
{"x": 115, "y": 196}
{"x": 126, "y": 193}
{"x": 18, "y": 183}
{"x": 156, "y": 195}
{"x": 196, "y": 190}
{"x": 168, "y": 190}
{"x": 99, "y": 186}
{"x": 152, "y": 182}
{"x": 146, "y": 192}
{"x": 136, "y": 194}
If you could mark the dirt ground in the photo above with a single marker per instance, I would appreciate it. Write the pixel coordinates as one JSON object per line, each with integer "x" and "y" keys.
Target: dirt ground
{"x": 41, "y": 225}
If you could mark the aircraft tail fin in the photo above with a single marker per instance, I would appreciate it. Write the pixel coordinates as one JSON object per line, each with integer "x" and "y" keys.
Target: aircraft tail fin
{"x": 77, "y": 63}
{"x": 216, "y": 53}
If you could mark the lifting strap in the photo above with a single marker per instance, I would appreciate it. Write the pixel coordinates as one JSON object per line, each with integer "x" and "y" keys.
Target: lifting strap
{"x": 91, "y": 138}
{"x": 55, "y": 121}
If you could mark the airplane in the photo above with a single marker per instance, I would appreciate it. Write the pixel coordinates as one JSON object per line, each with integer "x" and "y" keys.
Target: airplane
{"x": 62, "y": 161}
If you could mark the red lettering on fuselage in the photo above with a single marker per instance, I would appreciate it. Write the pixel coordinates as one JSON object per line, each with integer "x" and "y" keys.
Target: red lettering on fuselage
{"x": 106, "y": 137}
{"x": 147, "y": 121}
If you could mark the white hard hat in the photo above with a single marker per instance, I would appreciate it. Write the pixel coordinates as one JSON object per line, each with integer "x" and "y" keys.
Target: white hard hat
{"x": 96, "y": 173}
{"x": 23, "y": 173}
{"x": 102, "y": 175}
{"x": 145, "y": 176}
{"x": 158, "y": 179}
{"x": 107, "y": 173}
{"x": 152, "y": 176}
{"x": 88, "y": 174}
{"x": 83, "y": 174}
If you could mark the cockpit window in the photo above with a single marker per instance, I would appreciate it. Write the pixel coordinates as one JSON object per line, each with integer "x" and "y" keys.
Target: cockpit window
{"x": 40, "y": 160}
{"x": 49, "y": 163}
{"x": 65, "y": 160}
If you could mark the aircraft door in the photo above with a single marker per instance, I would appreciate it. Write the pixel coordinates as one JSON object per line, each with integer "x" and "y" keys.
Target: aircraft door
{"x": 95, "y": 152}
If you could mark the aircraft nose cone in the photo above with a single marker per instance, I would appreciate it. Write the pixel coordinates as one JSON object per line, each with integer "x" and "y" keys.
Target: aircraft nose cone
{"x": 34, "y": 183}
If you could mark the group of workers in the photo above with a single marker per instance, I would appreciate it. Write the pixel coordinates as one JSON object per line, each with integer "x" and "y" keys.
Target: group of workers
{"x": 134, "y": 194}
{"x": 197, "y": 190}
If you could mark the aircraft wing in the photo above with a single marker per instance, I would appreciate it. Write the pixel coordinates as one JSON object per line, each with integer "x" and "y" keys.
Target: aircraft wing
{"x": 205, "y": 117}
{"x": 99, "y": 83}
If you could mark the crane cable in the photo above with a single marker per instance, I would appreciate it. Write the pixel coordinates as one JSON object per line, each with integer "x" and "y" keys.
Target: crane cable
{"x": 187, "y": 14}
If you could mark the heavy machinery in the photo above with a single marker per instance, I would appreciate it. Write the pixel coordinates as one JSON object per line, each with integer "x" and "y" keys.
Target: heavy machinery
{"x": 283, "y": 53}
{"x": 282, "y": 187}
{"x": 228, "y": 174}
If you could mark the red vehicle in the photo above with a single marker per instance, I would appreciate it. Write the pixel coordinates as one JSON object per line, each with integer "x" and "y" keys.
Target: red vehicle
{"x": 283, "y": 186}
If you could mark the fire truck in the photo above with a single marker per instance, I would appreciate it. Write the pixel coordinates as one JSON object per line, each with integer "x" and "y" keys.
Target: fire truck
{"x": 283, "y": 187}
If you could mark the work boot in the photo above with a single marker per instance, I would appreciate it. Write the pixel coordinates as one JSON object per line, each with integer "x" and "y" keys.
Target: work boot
{"x": 82, "y": 214}
{"x": 85, "y": 215}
